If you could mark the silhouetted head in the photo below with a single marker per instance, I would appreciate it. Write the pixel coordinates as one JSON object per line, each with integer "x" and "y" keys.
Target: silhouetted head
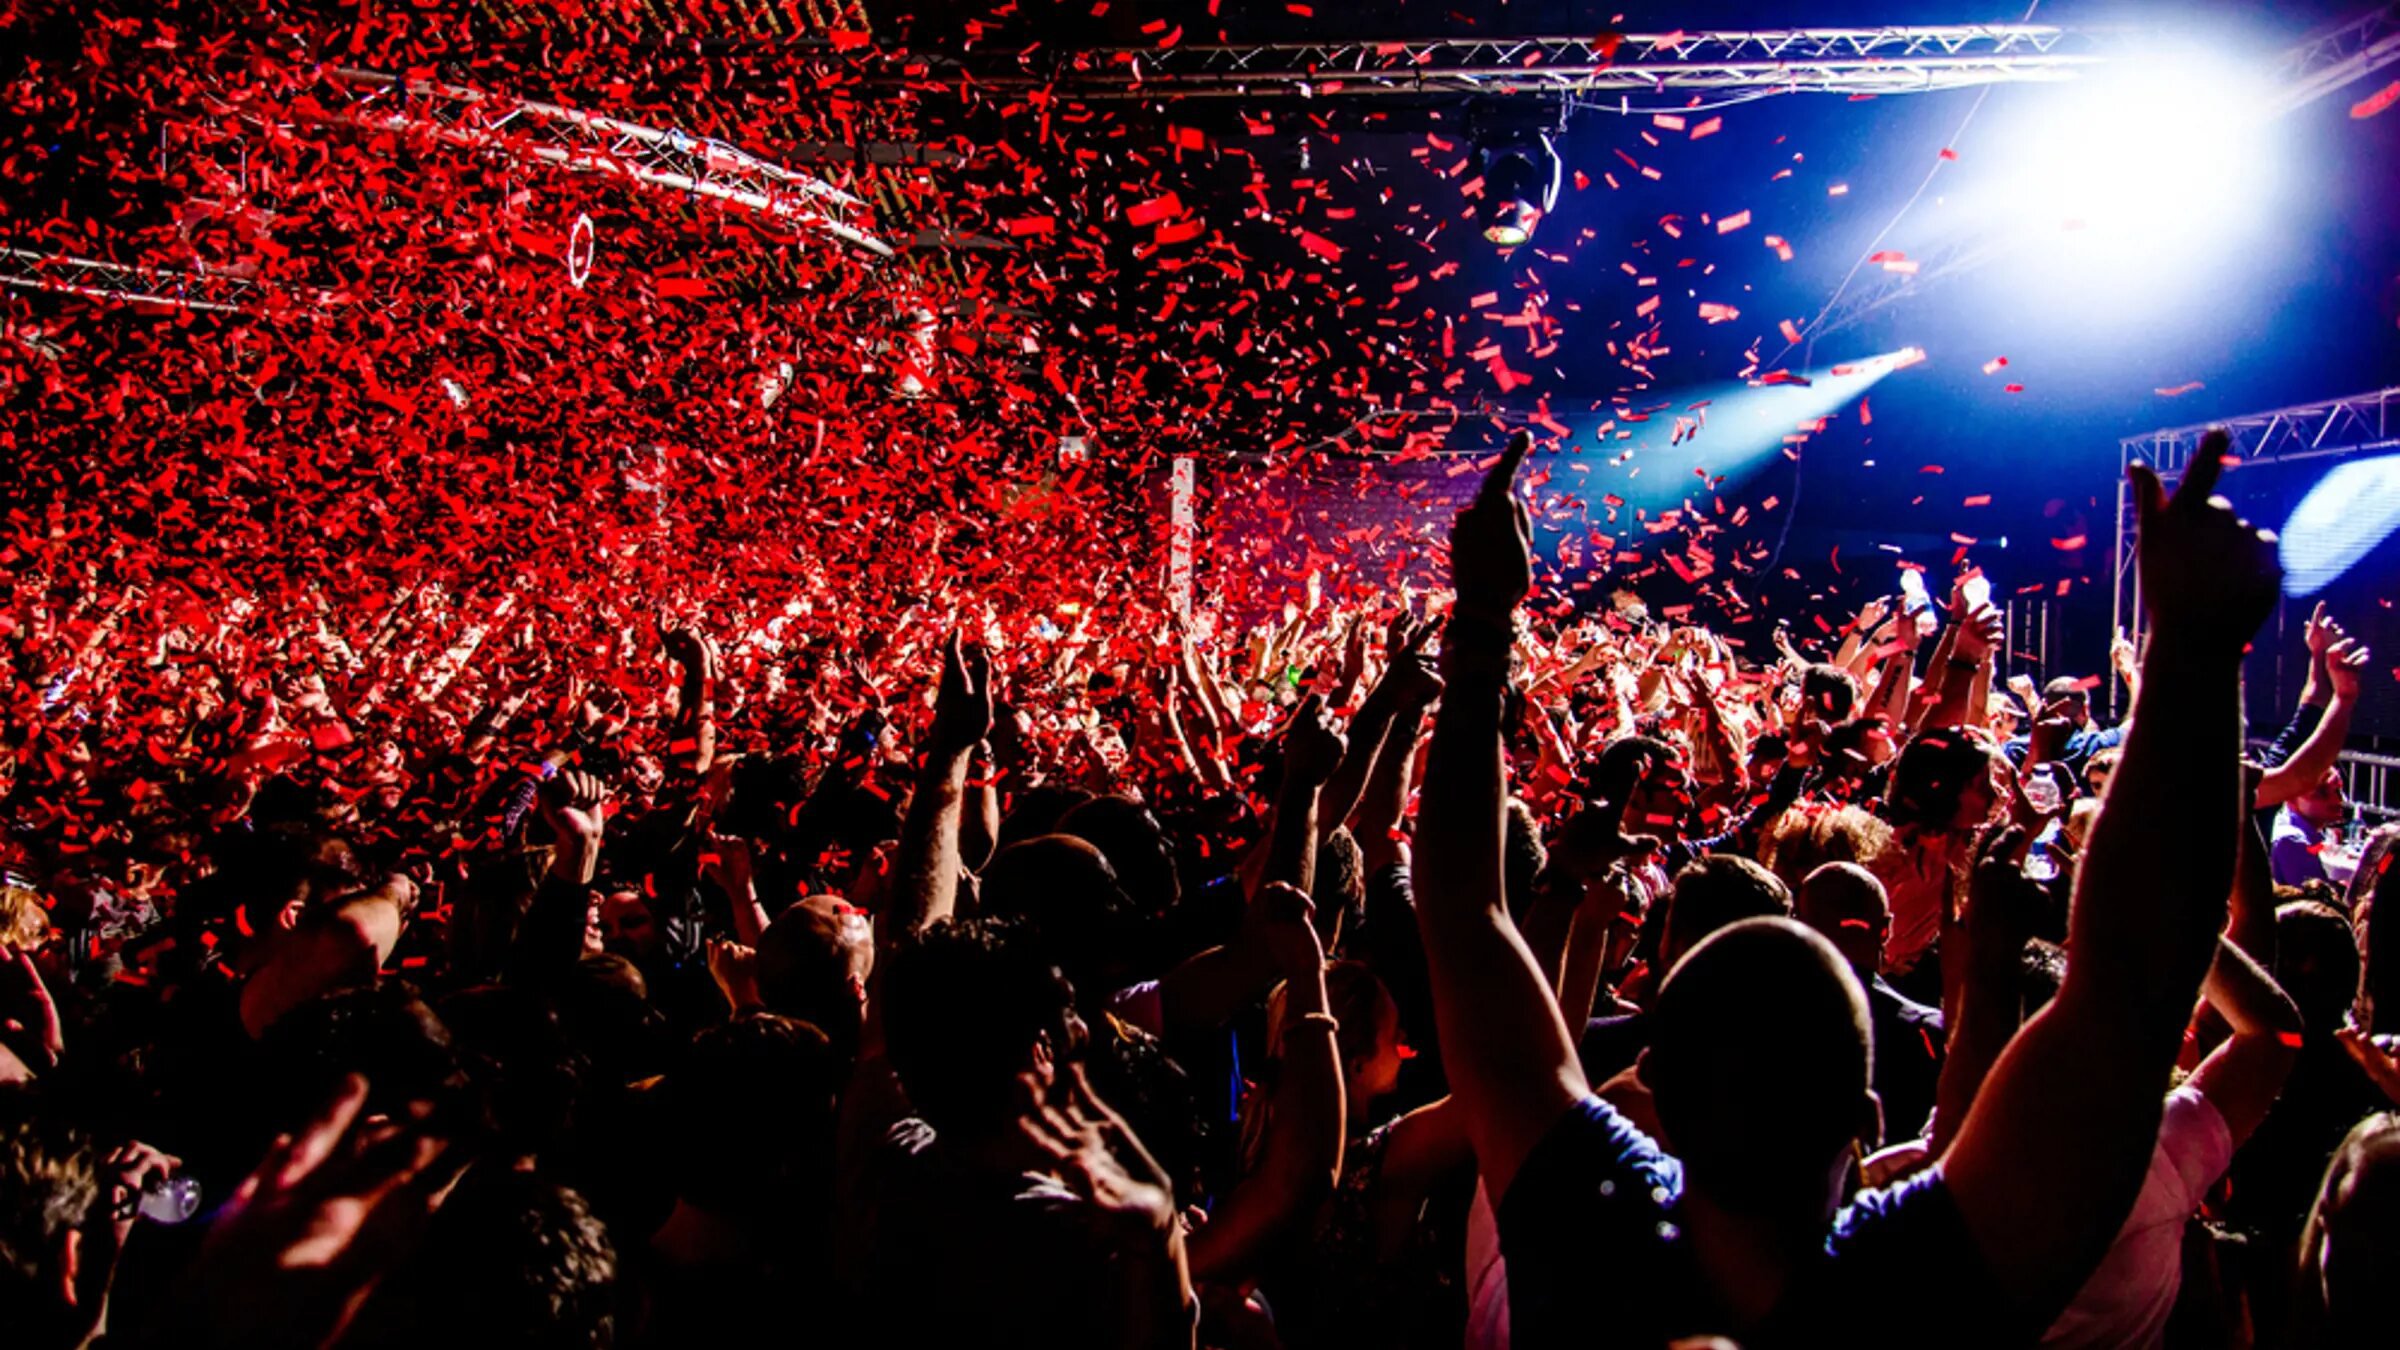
{"x": 1067, "y": 895}
{"x": 1760, "y": 1064}
{"x": 813, "y": 964}
{"x": 1828, "y": 692}
{"x": 2349, "y": 1285}
{"x": 1135, "y": 844}
{"x": 1714, "y": 891}
{"x": 1944, "y": 782}
{"x": 2316, "y": 962}
{"x": 1843, "y": 903}
{"x": 967, "y": 1009}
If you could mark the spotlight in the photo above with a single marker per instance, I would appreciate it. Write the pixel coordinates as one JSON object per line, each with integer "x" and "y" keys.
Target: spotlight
{"x": 1516, "y": 192}
{"x": 2141, "y": 172}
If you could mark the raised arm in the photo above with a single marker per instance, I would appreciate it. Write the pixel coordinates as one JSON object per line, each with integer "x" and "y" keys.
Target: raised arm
{"x": 2242, "y": 1077}
{"x": 1301, "y": 1160}
{"x": 694, "y": 743}
{"x": 2344, "y": 662}
{"x": 1368, "y": 742}
{"x": 1311, "y": 749}
{"x": 925, "y": 889}
{"x": 1384, "y": 804}
{"x": 2043, "y": 1190}
{"x": 1510, "y": 1060}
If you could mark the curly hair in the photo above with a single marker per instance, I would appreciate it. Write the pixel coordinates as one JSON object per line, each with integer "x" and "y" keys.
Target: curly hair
{"x": 48, "y": 1185}
{"x": 1806, "y": 837}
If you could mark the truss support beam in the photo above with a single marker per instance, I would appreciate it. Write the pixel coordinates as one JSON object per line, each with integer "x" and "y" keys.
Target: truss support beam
{"x": 97, "y": 279}
{"x": 589, "y": 143}
{"x": 2338, "y": 56}
{"x": 1892, "y": 60}
{"x": 2358, "y": 424}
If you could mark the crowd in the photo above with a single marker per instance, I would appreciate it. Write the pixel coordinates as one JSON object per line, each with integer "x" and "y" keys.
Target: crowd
{"x": 1413, "y": 971}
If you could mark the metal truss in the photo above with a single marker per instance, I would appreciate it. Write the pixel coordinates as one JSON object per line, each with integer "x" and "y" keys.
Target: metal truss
{"x": 588, "y": 143}
{"x": 2351, "y": 51}
{"x": 93, "y": 278}
{"x": 1894, "y": 60}
{"x": 2359, "y": 424}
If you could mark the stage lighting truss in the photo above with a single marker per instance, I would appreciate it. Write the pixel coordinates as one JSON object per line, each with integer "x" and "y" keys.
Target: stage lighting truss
{"x": 2351, "y": 51}
{"x": 98, "y": 279}
{"x": 588, "y": 143}
{"x": 2358, "y": 424}
{"x": 1893, "y": 60}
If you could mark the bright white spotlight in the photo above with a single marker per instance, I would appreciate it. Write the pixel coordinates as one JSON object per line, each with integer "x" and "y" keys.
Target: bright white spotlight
{"x": 2139, "y": 158}
{"x": 2340, "y": 521}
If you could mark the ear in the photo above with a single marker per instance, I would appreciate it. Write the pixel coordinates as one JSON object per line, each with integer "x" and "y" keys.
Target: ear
{"x": 293, "y": 911}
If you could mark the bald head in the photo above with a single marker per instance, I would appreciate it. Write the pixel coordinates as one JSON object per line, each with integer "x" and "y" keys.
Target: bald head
{"x": 813, "y": 964}
{"x": 1844, "y": 904}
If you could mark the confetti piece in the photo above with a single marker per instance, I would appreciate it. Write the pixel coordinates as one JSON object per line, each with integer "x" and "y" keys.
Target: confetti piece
{"x": 2376, "y": 102}
{"x": 1728, "y": 224}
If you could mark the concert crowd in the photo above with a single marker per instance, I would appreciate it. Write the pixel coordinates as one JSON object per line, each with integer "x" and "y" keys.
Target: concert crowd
{"x": 1427, "y": 969}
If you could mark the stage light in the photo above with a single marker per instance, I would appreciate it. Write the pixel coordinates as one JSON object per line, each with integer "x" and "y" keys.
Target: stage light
{"x": 2340, "y": 521}
{"x": 1728, "y": 431}
{"x": 1518, "y": 191}
{"x": 2125, "y": 174}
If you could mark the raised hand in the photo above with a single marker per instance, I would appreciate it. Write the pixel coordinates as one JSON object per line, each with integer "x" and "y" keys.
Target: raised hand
{"x": 1491, "y": 546}
{"x": 2002, "y": 911}
{"x": 1094, "y": 1151}
{"x": 2208, "y": 577}
{"x": 726, "y": 862}
{"x": 2345, "y": 662}
{"x": 129, "y": 1168}
{"x": 302, "y": 1242}
{"x": 571, "y": 803}
{"x": 2381, "y": 1066}
{"x": 1981, "y": 630}
{"x": 1411, "y": 675}
{"x": 1593, "y": 842}
{"x": 735, "y": 969}
{"x": 1312, "y": 748}
{"x": 2322, "y": 632}
{"x": 2052, "y": 728}
{"x": 691, "y": 649}
{"x": 962, "y": 707}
